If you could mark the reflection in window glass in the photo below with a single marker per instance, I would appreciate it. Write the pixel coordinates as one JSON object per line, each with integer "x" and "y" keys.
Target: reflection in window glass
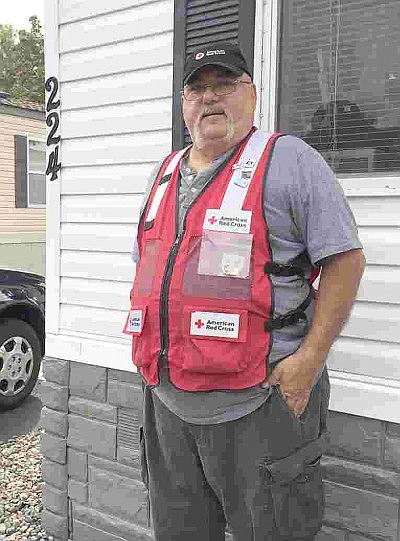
{"x": 340, "y": 81}
{"x": 37, "y": 155}
{"x": 37, "y": 190}
{"x": 36, "y": 174}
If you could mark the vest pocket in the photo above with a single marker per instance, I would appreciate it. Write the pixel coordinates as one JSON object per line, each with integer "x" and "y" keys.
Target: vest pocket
{"x": 141, "y": 336}
{"x": 143, "y": 284}
{"x": 135, "y": 321}
{"x": 212, "y": 285}
{"x": 215, "y": 342}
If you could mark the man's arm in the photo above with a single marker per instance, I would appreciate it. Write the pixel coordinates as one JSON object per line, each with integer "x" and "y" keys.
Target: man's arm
{"x": 340, "y": 278}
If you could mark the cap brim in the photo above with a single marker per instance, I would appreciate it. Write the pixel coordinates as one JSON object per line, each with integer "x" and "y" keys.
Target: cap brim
{"x": 233, "y": 69}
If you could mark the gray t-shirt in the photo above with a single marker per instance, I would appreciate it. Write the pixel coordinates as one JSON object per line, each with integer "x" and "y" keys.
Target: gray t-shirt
{"x": 306, "y": 210}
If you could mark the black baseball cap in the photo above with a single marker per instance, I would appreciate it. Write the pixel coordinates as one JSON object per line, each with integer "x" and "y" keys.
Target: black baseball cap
{"x": 220, "y": 53}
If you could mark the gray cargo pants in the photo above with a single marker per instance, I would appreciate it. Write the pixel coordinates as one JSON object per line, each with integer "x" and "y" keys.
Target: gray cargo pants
{"x": 259, "y": 475}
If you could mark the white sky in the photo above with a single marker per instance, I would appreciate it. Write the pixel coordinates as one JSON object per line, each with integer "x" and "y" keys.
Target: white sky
{"x": 17, "y": 12}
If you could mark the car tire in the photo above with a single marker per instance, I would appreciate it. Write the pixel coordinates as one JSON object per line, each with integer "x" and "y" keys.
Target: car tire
{"x": 26, "y": 335}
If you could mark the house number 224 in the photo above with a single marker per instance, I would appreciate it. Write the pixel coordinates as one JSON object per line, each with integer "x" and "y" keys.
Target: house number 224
{"x": 53, "y": 122}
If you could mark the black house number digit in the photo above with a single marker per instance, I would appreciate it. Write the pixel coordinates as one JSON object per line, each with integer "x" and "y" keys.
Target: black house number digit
{"x": 53, "y": 122}
{"x": 53, "y": 165}
{"x": 51, "y": 85}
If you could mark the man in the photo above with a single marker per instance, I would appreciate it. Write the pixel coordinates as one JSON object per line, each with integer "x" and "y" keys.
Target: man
{"x": 226, "y": 333}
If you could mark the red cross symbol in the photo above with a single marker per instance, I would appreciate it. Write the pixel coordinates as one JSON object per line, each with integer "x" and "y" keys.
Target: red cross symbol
{"x": 212, "y": 220}
{"x": 199, "y": 324}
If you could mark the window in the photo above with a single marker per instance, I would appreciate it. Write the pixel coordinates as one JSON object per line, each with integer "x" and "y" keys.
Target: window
{"x": 36, "y": 188}
{"x": 30, "y": 178}
{"x": 339, "y": 81}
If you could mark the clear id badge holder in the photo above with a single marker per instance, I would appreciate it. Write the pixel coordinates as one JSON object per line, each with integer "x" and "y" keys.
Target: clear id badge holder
{"x": 226, "y": 254}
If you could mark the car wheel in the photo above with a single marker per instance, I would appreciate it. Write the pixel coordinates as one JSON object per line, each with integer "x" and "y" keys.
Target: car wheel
{"x": 20, "y": 358}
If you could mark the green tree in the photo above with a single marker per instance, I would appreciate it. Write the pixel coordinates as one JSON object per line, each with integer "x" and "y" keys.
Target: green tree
{"x": 22, "y": 61}
{"x": 7, "y": 57}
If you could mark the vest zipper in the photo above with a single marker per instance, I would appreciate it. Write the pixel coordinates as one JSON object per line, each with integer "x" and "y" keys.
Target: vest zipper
{"x": 164, "y": 324}
{"x": 164, "y": 296}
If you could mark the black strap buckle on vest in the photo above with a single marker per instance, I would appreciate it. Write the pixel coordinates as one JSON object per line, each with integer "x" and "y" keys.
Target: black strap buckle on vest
{"x": 291, "y": 317}
{"x": 165, "y": 178}
{"x": 148, "y": 225}
{"x": 283, "y": 270}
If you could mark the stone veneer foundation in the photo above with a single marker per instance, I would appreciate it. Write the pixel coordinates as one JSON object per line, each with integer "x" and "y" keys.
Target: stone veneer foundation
{"x": 92, "y": 489}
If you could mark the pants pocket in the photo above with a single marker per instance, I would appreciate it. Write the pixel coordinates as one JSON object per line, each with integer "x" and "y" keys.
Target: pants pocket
{"x": 143, "y": 461}
{"x": 144, "y": 472}
{"x": 302, "y": 418}
{"x": 297, "y": 492}
{"x": 299, "y": 505}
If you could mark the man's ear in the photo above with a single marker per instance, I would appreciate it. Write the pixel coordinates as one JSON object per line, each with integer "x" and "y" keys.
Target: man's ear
{"x": 255, "y": 95}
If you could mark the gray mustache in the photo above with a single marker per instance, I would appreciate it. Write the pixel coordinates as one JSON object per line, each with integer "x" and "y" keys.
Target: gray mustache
{"x": 208, "y": 112}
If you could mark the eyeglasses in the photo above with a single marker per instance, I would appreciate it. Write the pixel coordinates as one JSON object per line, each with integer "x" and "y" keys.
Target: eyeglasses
{"x": 195, "y": 92}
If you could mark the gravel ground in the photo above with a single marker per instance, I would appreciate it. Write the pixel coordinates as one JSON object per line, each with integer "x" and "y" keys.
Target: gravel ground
{"x": 21, "y": 489}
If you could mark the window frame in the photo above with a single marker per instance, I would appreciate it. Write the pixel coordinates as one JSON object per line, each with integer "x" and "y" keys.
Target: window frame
{"x": 28, "y": 171}
{"x": 266, "y": 55}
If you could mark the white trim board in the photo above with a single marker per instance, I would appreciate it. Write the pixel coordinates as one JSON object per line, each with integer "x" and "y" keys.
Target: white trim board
{"x": 350, "y": 393}
{"x": 269, "y": 29}
{"x": 258, "y": 59}
{"x": 365, "y": 396}
{"x": 52, "y": 188}
{"x": 372, "y": 186}
{"x": 109, "y": 354}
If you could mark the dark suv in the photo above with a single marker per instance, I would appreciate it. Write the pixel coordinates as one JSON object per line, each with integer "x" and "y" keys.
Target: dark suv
{"x": 21, "y": 334}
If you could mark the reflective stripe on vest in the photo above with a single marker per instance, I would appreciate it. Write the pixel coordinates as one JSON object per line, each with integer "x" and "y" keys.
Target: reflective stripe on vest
{"x": 243, "y": 172}
{"x": 162, "y": 187}
{"x": 240, "y": 181}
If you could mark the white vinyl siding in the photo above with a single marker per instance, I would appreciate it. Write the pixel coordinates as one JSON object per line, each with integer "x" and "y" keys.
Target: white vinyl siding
{"x": 116, "y": 149}
{"x": 123, "y": 24}
{"x": 115, "y": 69}
{"x": 117, "y": 58}
{"x": 141, "y": 116}
{"x": 364, "y": 362}
{"x": 97, "y": 265}
{"x": 72, "y": 11}
{"x": 94, "y": 208}
{"x": 131, "y": 87}
{"x": 106, "y": 179}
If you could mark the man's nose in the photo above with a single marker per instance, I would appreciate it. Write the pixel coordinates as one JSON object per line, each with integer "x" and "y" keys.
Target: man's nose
{"x": 209, "y": 94}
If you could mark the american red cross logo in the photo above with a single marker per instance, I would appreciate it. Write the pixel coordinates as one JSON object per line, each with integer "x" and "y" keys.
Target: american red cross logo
{"x": 212, "y": 220}
{"x": 199, "y": 324}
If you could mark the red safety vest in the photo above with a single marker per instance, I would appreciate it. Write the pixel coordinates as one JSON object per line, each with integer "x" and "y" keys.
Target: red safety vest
{"x": 201, "y": 301}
